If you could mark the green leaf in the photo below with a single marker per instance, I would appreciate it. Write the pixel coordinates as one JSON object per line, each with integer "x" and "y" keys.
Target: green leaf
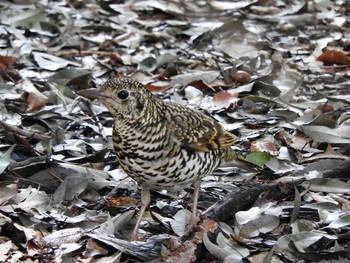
{"x": 5, "y": 159}
{"x": 258, "y": 158}
{"x": 30, "y": 19}
{"x": 148, "y": 64}
{"x": 341, "y": 222}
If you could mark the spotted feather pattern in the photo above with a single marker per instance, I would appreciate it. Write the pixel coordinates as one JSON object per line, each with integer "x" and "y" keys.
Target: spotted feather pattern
{"x": 160, "y": 144}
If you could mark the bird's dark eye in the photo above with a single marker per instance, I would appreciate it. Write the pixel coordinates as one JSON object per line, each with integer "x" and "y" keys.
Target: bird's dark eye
{"x": 123, "y": 94}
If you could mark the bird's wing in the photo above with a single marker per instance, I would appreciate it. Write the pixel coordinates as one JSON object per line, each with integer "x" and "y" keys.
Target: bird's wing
{"x": 198, "y": 132}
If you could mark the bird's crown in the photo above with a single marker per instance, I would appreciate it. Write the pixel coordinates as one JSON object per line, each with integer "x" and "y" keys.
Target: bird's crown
{"x": 126, "y": 98}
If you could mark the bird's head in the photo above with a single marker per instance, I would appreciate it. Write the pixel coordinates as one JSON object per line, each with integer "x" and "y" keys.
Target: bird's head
{"x": 124, "y": 98}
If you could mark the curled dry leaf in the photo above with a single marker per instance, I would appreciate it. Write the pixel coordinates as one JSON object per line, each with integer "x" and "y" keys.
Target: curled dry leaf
{"x": 33, "y": 247}
{"x": 157, "y": 86}
{"x": 5, "y": 159}
{"x": 224, "y": 99}
{"x": 64, "y": 236}
{"x": 224, "y": 96}
{"x": 264, "y": 146}
{"x": 224, "y": 254}
{"x": 241, "y": 76}
{"x": 7, "y": 62}
{"x": 35, "y": 98}
{"x": 283, "y": 94}
{"x": 122, "y": 202}
{"x": 7, "y": 192}
{"x": 334, "y": 57}
{"x": 51, "y": 62}
{"x": 116, "y": 58}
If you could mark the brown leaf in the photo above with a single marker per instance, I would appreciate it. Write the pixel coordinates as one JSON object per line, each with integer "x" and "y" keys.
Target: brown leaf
{"x": 334, "y": 57}
{"x": 199, "y": 84}
{"x": 36, "y": 100}
{"x": 325, "y": 108}
{"x": 224, "y": 96}
{"x": 152, "y": 87}
{"x": 7, "y": 62}
{"x": 297, "y": 141}
{"x": 225, "y": 100}
{"x": 33, "y": 247}
{"x": 122, "y": 202}
{"x": 241, "y": 76}
{"x": 115, "y": 57}
{"x": 263, "y": 146}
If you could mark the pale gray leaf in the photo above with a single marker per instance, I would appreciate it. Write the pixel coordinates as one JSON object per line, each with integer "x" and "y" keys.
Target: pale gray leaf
{"x": 221, "y": 253}
{"x": 184, "y": 79}
{"x": 327, "y": 185}
{"x": 263, "y": 224}
{"x": 325, "y": 134}
{"x": 181, "y": 219}
{"x": 64, "y": 236}
{"x": 149, "y": 64}
{"x": 341, "y": 222}
{"x": 50, "y": 62}
{"x": 301, "y": 241}
{"x": 5, "y": 158}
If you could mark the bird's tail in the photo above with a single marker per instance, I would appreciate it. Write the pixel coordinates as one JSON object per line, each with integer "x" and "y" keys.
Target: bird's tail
{"x": 229, "y": 158}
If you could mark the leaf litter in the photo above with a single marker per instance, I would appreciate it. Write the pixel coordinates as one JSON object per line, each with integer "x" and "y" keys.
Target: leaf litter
{"x": 276, "y": 75}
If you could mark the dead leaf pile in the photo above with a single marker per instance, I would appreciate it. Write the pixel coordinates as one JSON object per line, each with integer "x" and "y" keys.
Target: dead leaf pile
{"x": 274, "y": 73}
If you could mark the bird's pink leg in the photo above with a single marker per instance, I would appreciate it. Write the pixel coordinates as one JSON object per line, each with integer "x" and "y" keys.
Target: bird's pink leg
{"x": 145, "y": 200}
{"x": 194, "y": 219}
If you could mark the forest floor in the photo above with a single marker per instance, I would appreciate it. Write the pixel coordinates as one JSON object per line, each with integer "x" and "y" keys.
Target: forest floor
{"x": 274, "y": 73}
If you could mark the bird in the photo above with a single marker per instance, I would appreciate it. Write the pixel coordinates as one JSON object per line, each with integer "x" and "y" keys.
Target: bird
{"x": 163, "y": 145}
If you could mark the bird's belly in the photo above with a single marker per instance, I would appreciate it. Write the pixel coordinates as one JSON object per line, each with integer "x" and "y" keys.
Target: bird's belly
{"x": 173, "y": 173}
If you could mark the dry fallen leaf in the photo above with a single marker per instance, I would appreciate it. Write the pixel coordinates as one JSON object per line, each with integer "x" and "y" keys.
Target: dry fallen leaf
{"x": 334, "y": 57}
{"x": 196, "y": 54}
{"x": 36, "y": 100}
{"x": 241, "y": 76}
{"x": 264, "y": 146}
{"x": 7, "y": 62}
{"x": 122, "y": 202}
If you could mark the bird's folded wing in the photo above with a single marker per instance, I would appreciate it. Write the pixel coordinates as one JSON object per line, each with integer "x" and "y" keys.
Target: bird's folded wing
{"x": 198, "y": 132}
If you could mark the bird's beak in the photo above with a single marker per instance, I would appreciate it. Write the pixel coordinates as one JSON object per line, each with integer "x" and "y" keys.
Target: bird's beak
{"x": 91, "y": 94}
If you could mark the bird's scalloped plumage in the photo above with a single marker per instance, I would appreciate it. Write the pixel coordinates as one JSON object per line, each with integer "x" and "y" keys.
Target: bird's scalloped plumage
{"x": 162, "y": 145}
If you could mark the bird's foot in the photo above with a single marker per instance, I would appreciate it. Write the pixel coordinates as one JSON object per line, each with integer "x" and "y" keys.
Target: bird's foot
{"x": 137, "y": 237}
{"x": 190, "y": 227}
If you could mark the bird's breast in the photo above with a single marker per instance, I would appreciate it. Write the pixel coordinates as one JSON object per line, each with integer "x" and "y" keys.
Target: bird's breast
{"x": 157, "y": 160}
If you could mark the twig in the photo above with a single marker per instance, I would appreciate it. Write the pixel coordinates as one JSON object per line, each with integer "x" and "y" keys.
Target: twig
{"x": 35, "y": 135}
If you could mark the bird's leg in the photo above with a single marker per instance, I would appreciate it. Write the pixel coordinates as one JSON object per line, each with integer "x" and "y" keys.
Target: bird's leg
{"x": 194, "y": 219}
{"x": 145, "y": 200}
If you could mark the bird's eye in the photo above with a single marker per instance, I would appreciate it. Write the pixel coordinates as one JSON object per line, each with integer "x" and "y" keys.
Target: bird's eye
{"x": 123, "y": 94}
